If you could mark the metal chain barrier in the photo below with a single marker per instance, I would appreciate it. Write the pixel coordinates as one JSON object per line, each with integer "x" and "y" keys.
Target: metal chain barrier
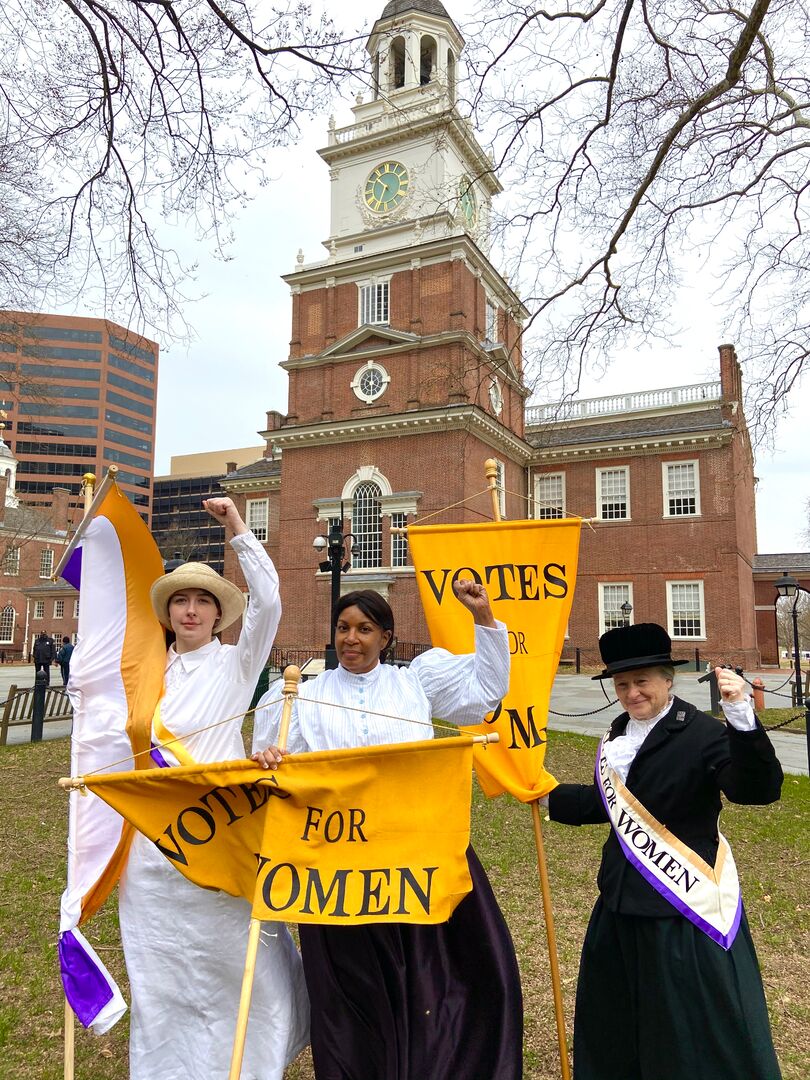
{"x": 768, "y": 691}
{"x": 790, "y": 719}
{"x": 593, "y": 712}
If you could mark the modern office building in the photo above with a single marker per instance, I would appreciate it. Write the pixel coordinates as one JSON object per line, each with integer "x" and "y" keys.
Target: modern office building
{"x": 180, "y": 525}
{"x": 80, "y": 395}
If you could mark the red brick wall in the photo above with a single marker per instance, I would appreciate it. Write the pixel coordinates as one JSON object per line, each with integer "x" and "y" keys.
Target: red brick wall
{"x": 648, "y": 550}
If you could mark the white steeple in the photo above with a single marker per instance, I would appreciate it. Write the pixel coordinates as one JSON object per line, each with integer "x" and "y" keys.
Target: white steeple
{"x": 409, "y": 169}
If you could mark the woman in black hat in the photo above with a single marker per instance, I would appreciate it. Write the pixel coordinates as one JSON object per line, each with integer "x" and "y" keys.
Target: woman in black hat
{"x": 669, "y": 986}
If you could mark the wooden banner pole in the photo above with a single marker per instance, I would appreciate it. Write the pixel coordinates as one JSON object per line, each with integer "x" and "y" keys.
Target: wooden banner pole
{"x": 292, "y": 677}
{"x": 491, "y": 473}
{"x": 88, "y": 483}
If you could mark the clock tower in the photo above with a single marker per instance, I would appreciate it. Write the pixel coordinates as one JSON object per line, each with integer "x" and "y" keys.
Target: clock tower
{"x": 404, "y": 365}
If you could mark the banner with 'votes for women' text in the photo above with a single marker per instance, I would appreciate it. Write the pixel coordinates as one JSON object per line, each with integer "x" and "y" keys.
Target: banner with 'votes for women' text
{"x": 529, "y": 569}
{"x": 339, "y": 837}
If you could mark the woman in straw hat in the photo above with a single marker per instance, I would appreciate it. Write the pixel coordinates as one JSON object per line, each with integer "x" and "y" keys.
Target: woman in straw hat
{"x": 393, "y": 1001}
{"x": 669, "y": 986}
{"x": 185, "y": 946}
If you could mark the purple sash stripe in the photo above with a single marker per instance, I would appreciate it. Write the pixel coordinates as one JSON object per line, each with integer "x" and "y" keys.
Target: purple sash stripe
{"x": 86, "y": 988}
{"x": 724, "y": 940}
{"x": 72, "y": 572}
{"x": 158, "y": 758}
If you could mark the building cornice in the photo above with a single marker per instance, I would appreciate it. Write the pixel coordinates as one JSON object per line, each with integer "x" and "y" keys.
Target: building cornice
{"x": 465, "y": 418}
{"x": 495, "y": 356}
{"x": 410, "y": 123}
{"x": 254, "y": 483}
{"x": 619, "y": 447}
{"x": 457, "y": 246}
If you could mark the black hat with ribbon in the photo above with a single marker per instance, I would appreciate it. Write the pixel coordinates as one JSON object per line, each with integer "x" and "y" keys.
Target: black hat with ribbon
{"x": 628, "y": 648}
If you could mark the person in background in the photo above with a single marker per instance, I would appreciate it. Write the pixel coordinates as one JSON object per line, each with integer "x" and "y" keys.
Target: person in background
{"x": 393, "y": 1001}
{"x": 669, "y": 985}
{"x": 63, "y": 658}
{"x": 43, "y": 655}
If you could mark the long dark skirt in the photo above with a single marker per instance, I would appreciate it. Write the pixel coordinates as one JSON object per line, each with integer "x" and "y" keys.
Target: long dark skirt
{"x": 658, "y": 1000}
{"x": 391, "y": 1001}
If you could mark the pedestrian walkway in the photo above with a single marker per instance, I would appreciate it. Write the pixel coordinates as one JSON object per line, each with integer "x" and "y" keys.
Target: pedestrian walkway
{"x": 570, "y": 694}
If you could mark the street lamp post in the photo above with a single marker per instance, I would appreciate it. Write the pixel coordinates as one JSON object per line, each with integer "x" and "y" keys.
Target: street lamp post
{"x": 788, "y": 586}
{"x": 334, "y": 546}
{"x": 626, "y": 608}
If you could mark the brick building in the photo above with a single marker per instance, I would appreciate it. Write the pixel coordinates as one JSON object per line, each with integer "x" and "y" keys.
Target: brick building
{"x": 405, "y": 374}
{"x": 80, "y": 395}
{"x": 32, "y": 540}
{"x": 666, "y": 480}
{"x": 767, "y": 571}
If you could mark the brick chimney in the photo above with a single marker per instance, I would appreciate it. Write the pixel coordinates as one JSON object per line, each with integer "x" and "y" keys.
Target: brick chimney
{"x": 60, "y": 507}
{"x": 730, "y": 374}
{"x": 230, "y": 466}
{"x": 274, "y": 420}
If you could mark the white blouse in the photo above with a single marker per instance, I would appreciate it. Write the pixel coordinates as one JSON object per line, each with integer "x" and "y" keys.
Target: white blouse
{"x": 216, "y": 682}
{"x": 621, "y": 752}
{"x": 388, "y": 704}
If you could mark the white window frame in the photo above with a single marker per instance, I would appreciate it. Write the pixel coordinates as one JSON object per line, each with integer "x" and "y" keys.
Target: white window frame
{"x": 400, "y": 556}
{"x": 671, "y": 615}
{"x": 357, "y": 381}
{"x": 11, "y": 562}
{"x": 76, "y": 608}
{"x": 257, "y": 518}
{"x": 601, "y": 586}
{"x": 600, "y": 497}
{"x": 45, "y": 563}
{"x": 39, "y": 609}
{"x": 367, "y": 527}
{"x": 665, "y": 466}
{"x": 5, "y": 640}
{"x": 374, "y": 302}
{"x": 541, "y": 503}
{"x": 59, "y": 609}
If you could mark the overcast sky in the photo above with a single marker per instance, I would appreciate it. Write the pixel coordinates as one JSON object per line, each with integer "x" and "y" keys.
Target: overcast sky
{"x": 214, "y": 392}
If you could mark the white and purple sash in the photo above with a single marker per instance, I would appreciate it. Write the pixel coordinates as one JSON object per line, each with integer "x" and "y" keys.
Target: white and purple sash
{"x": 708, "y": 896}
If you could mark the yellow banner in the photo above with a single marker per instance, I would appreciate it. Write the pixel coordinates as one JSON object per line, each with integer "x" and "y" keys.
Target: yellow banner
{"x": 340, "y": 837}
{"x": 529, "y": 569}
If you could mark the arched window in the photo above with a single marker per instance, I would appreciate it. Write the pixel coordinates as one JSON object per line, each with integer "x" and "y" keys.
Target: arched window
{"x": 427, "y": 60}
{"x": 376, "y": 76}
{"x": 8, "y": 618}
{"x": 366, "y": 526}
{"x": 397, "y": 63}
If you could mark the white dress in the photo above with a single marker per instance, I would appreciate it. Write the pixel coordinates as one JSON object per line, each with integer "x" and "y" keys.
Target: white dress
{"x": 185, "y": 946}
{"x": 369, "y": 709}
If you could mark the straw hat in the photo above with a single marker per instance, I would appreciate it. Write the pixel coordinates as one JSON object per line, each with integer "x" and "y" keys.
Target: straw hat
{"x": 195, "y": 575}
{"x": 628, "y": 648}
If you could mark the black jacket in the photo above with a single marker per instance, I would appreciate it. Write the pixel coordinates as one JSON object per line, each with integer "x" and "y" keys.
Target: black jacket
{"x": 680, "y": 769}
{"x": 43, "y": 651}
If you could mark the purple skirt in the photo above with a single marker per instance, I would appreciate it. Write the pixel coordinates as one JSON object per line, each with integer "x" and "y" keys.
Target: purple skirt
{"x": 393, "y": 1001}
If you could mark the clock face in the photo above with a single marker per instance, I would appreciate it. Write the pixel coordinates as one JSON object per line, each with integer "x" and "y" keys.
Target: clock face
{"x": 386, "y": 187}
{"x": 466, "y": 199}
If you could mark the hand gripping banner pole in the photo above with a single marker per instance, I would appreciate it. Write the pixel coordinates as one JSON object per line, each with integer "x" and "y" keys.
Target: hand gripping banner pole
{"x": 491, "y": 473}
{"x": 292, "y": 677}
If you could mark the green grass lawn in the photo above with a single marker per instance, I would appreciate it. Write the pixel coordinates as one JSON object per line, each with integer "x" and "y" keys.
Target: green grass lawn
{"x": 770, "y": 845}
